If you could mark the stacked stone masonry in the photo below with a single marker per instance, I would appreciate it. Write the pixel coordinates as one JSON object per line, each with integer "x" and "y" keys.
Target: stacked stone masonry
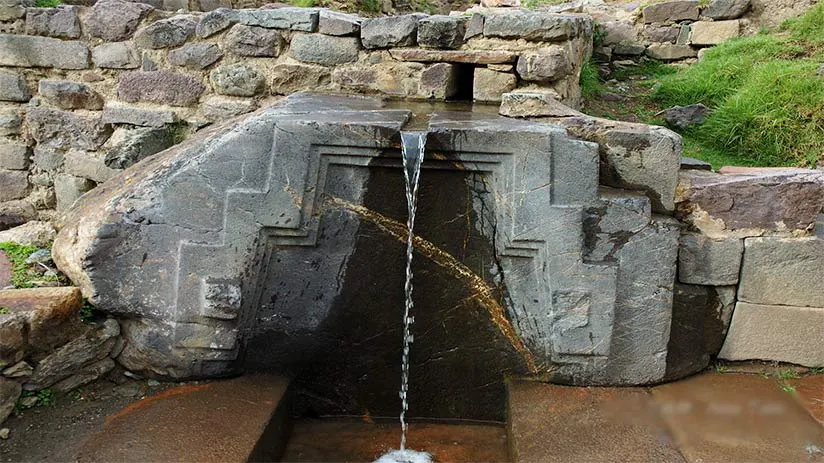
{"x": 87, "y": 91}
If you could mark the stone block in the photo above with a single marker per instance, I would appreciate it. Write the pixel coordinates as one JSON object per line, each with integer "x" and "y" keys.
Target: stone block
{"x": 220, "y": 108}
{"x": 237, "y": 80}
{"x": 69, "y": 95}
{"x": 617, "y": 32}
{"x": 13, "y": 87}
{"x": 713, "y": 33}
{"x": 34, "y": 233}
{"x": 211, "y": 5}
{"x": 324, "y": 49}
{"x": 13, "y": 338}
{"x": 87, "y": 165}
{"x": 662, "y": 34}
{"x": 526, "y": 103}
{"x": 453, "y": 56}
{"x": 439, "y": 81}
{"x": 14, "y": 156}
{"x": 116, "y": 55}
{"x": 776, "y": 333}
{"x": 750, "y": 202}
{"x": 634, "y": 156}
{"x": 783, "y": 271}
{"x": 54, "y": 128}
{"x": 93, "y": 346}
{"x": 52, "y": 315}
{"x": 42, "y": 52}
{"x": 215, "y": 21}
{"x": 629, "y": 49}
{"x": 475, "y": 26}
{"x": 684, "y": 35}
{"x": 725, "y": 9}
{"x": 390, "y": 31}
{"x": 490, "y": 85}
{"x": 668, "y": 12}
{"x": 195, "y": 56}
{"x": 166, "y": 33}
{"x": 340, "y": 24}
{"x": 253, "y": 41}
{"x": 114, "y": 113}
{"x": 19, "y": 370}
{"x": 10, "y": 392}
{"x": 69, "y": 188}
{"x": 610, "y": 223}
{"x": 115, "y": 20}
{"x": 10, "y": 121}
{"x": 48, "y": 159}
{"x": 544, "y": 65}
{"x": 537, "y": 26}
{"x": 59, "y": 22}
{"x": 161, "y": 87}
{"x": 291, "y": 78}
{"x": 687, "y": 350}
{"x": 296, "y": 19}
{"x": 10, "y": 10}
{"x": 440, "y": 31}
{"x": 670, "y": 52}
{"x": 14, "y": 213}
{"x": 126, "y": 147}
{"x": 704, "y": 261}
{"x": 684, "y": 117}
{"x": 85, "y": 375}
{"x": 14, "y": 184}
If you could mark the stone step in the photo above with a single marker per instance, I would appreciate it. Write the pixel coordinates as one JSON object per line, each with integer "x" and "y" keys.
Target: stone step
{"x": 237, "y": 420}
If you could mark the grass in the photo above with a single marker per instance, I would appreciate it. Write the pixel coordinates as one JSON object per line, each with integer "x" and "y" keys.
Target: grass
{"x": 47, "y": 3}
{"x": 17, "y": 255}
{"x": 4, "y": 311}
{"x": 766, "y": 96}
{"x": 532, "y": 4}
{"x": 364, "y": 6}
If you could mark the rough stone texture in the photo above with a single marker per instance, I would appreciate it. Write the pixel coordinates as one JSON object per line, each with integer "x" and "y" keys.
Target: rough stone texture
{"x": 668, "y": 12}
{"x": 291, "y": 78}
{"x": 14, "y": 156}
{"x": 634, "y": 156}
{"x": 86, "y": 375}
{"x": 667, "y": 34}
{"x": 60, "y": 22}
{"x": 475, "y": 26}
{"x": 390, "y": 31}
{"x": 684, "y": 117}
{"x": 779, "y": 333}
{"x": 694, "y": 164}
{"x": 14, "y": 184}
{"x": 534, "y": 104}
{"x": 11, "y": 10}
{"x": 10, "y": 121}
{"x": 128, "y": 146}
{"x": 14, "y": 213}
{"x": 490, "y": 85}
{"x": 703, "y": 261}
{"x": 69, "y": 188}
{"x": 34, "y": 233}
{"x": 439, "y": 81}
{"x": 53, "y": 128}
{"x": 46, "y": 52}
{"x": 18, "y": 370}
{"x": 13, "y": 87}
{"x": 52, "y": 315}
{"x": 713, "y": 33}
{"x": 441, "y": 31}
{"x": 220, "y": 108}
{"x": 617, "y": 31}
{"x": 87, "y": 165}
{"x": 629, "y": 49}
{"x": 334, "y": 23}
{"x": 93, "y": 346}
{"x": 296, "y": 19}
{"x": 162, "y": 87}
{"x": 116, "y": 55}
{"x": 253, "y": 41}
{"x": 9, "y": 393}
{"x": 539, "y": 26}
{"x": 725, "y": 9}
{"x": 670, "y": 52}
{"x": 69, "y": 95}
{"x": 551, "y": 63}
{"x": 750, "y": 202}
{"x": 324, "y": 49}
{"x": 48, "y": 159}
{"x": 782, "y": 271}
{"x": 215, "y": 21}
{"x": 454, "y": 56}
{"x": 114, "y": 113}
{"x": 13, "y": 342}
{"x": 237, "y": 80}
{"x": 115, "y": 20}
{"x": 398, "y": 79}
{"x": 167, "y": 33}
{"x": 195, "y": 56}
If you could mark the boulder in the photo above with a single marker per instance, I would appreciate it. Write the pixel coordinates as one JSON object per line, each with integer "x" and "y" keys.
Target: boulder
{"x": 489, "y": 85}
{"x": 750, "y": 201}
{"x": 215, "y": 21}
{"x": 34, "y": 233}
{"x": 324, "y": 49}
{"x": 390, "y": 31}
{"x": 69, "y": 95}
{"x": 115, "y": 20}
{"x": 441, "y": 31}
{"x": 714, "y": 32}
{"x": 13, "y": 87}
{"x": 237, "y": 80}
{"x": 782, "y": 271}
{"x": 684, "y": 117}
{"x": 42, "y": 52}
{"x": 703, "y": 261}
{"x": 54, "y": 128}
{"x": 162, "y": 87}
{"x": 60, "y": 22}
{"x": 339, "y": 24}
{"x": 116, "y": 55}
{"x": 166, "y": 33}
{"x": 543, "y": 65}
{"x": 725, "y": 9}
{"x": 668, "y": 12}
{"x": 195, "y": 56}
{"x": 253, "y": 41}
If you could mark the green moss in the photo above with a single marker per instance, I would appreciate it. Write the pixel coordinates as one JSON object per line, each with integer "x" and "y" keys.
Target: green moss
{"x": 17, "y": 255}
{"x": 4, "y": 310}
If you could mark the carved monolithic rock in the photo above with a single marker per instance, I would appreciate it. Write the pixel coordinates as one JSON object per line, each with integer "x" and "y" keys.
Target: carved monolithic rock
{"x": 275, "y": 242}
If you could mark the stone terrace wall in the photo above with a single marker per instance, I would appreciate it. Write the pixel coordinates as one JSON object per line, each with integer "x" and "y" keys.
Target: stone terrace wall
{"x": 86, "y": 92}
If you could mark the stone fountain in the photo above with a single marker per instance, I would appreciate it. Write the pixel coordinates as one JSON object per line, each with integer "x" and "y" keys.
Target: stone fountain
{"x": 275, "y": 243}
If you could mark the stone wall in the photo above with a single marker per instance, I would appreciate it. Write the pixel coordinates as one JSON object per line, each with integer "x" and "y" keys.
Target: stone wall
{"x": 88, "y": 91}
